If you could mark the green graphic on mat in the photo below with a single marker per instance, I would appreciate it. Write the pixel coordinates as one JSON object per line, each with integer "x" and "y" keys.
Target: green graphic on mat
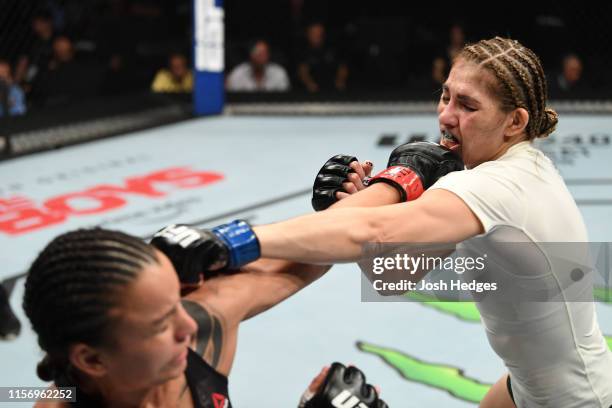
{"x": 603, "y": 294}
{"x": 462, "y": 310}
{"x": 469, "y": 312}
{"x": 443, "y": 377}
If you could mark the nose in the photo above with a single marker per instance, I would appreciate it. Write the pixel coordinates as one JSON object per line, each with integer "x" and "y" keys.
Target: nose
{"x": 447, "y": 116}
{"x": 185, "y": 326}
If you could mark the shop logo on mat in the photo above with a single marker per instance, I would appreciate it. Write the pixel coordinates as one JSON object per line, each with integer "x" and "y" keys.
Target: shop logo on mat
{"x": 19, "y": 214}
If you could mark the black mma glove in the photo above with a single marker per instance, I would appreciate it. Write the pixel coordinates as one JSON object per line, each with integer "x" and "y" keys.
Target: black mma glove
{"x": 414, "y": 167}
{"x": 344, "y": 387}
{"x": 192, "y": 251}
{"x": 329, "y": 181}
{"x": 195, "y": 252}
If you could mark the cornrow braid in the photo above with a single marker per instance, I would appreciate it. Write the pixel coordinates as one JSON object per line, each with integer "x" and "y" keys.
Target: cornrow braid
{"x": 521, "y": 82}
{"x": 71, "y": 288}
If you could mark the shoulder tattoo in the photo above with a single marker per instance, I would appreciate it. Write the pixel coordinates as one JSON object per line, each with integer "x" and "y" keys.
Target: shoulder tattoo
{"x": 209, "y": 337}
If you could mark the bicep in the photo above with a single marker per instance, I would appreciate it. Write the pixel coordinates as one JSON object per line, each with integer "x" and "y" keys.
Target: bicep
{"x": 221, "y": 303}
{"x": 437, "y": 216}
{"x": 259, "y": 286}
{"x": 272, "y": 281}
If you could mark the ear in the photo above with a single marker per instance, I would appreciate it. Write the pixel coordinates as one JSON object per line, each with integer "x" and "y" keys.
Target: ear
{"x": 88, "y": 360}
{"x": 517, "y": 122}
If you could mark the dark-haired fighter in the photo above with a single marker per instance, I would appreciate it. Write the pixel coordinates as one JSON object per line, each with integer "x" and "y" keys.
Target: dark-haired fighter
{"x": 108, "y": 313}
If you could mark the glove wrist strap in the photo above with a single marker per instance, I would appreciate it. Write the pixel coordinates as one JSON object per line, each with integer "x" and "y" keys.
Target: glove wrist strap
{"x": 406, "y": 181}
{"x": 241, "y": 241}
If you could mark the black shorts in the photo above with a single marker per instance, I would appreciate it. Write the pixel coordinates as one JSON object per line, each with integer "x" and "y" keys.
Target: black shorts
{"x": 509, "y": 385}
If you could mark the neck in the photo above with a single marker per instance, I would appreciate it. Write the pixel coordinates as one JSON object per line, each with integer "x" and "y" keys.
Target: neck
{"x": 258, "y": 70}
{"x": 503, "y": 149}
{"x": 506, "y": 146}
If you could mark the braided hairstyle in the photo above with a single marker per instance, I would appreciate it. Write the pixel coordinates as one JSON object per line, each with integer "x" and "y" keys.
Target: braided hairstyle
{"x": 70, "y": 289}
{"x": 521, "y": 82}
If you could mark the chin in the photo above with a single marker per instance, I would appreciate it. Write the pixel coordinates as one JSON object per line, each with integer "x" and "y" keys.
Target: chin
{"x": 170, "y": 375}
{"x": 178, "y": 369}
{"x": 171, "y": 372}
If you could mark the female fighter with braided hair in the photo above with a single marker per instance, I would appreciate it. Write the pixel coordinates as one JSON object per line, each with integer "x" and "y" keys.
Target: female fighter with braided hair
{"x": 493, "y": 105}
{"x": 108, "y": 314}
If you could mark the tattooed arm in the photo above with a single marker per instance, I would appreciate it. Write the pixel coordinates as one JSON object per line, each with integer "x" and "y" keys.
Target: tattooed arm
{"x": 221, "y": 303}
{"x": 215, "y": 339}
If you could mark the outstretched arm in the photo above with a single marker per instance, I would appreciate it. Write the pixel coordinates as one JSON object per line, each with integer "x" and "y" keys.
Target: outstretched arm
{"x": 222, "y": 302}
{"x": 339, "y": 235}
{"x": 266, "y": 282}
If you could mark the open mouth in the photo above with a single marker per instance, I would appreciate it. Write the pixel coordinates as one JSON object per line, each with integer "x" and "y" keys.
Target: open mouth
{"x": 449, "y": 141}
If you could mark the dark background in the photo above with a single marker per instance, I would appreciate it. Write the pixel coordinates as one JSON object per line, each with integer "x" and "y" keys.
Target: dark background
{"x": 387, "y": 46}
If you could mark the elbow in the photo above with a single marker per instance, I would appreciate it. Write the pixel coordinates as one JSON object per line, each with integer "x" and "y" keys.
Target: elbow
{"x": 370, "y": 231}
{"x": 374, "y": 233}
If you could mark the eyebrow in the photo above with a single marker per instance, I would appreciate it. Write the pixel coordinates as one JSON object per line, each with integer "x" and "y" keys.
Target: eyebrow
{"x": 461, "y": 97}
{"x": 160, "y": 320}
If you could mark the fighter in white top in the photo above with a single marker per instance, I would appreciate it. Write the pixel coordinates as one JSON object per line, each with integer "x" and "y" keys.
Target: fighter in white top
{"x": 492, "y": 107}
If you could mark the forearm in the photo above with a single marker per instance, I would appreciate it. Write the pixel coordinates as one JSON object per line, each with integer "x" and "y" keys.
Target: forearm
{"x": 307, "y": 238}
{"x": 373, "y": 196}
{"x": 376, "y": 195}
{"x": 333, "y": 236}
{"x": 273, "y": 281}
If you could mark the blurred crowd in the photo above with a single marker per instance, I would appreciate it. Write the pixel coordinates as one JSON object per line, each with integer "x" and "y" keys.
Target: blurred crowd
{"x": 57, "y": 52}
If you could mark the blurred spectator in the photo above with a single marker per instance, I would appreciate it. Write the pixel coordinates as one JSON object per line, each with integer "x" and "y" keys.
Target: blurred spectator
{"x": 319, "y": 67}
{"x": 32, "y": 65}
{"x": 439, "y": 71}
{"x": 176, "y": 78}
{"x": 119, "y": 77}
{"x": 68, "y": 79}
{"x": 442, "y": 62}
{"x": 12, "y": 98}
{"x": 569, "y": 82}
{"x": 377, "y": 49}
{"x": 258, "y": 74}
{"x": 63, "y": 52}
{"x": 430, "y": 85}
{"x": 456, "y": 37}
{"x": 117, "y": 43}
